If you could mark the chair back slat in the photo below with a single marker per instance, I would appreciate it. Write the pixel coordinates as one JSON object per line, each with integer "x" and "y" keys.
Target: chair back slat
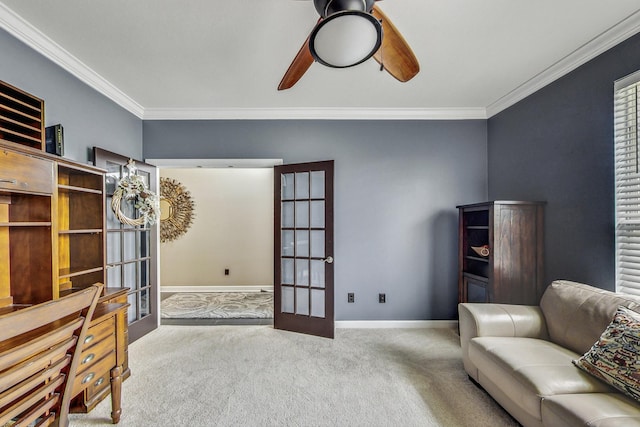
{"x": 36, "y": 364}
{"x": 39, "y": 355}
{"x": 15, "y": 353}
{"x": 32, "y": 400}
{"x": 35, "y": 414}
{"x": 30, "y": 318}
{"x": 23, "y": 387}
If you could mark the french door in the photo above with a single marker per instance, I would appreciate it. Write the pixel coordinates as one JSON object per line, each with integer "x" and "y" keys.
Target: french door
{"x": 131, "y": 250}
{"x": 303, "y": 248}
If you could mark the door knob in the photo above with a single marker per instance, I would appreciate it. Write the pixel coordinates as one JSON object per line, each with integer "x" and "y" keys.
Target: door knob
{"x": 329, "y": 260}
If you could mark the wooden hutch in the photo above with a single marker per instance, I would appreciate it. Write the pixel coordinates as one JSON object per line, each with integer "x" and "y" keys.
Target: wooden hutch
{"x": 52, "y": 242}
{"x": 500, "y": 252}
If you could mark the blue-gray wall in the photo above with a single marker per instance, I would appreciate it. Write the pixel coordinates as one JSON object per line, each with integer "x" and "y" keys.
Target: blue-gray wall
{"x": 397, "y": 182}
{"x": 557, "y": 146}
{"x": 89, "y": 118}
{"x": 396, "y": 187}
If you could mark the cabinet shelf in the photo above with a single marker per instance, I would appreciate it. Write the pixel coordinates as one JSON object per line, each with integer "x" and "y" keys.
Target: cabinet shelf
{"x": 78, "y": 271}
{"x": 62, "y": 187}
{"x": 476, "y": 277}
{"x": 476, "y": 258}
{"x": 26, "y": 224}
{"x": 8, "y": 132}
{"x": 82, "y": 231}
{"x": 21, "y": 117}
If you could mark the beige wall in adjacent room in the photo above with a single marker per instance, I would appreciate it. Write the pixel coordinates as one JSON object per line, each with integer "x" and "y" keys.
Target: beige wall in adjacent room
{"x": 232, "y": 228}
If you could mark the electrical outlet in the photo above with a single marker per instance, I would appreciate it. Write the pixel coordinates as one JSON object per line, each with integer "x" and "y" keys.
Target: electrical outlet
{"x": 382, "y": 298}
{"x": 226, "y": 271}
{"x": 351, "y": 297}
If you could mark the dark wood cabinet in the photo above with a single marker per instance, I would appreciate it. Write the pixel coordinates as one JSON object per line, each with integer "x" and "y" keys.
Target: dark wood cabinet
{"x": 500, "y": 252}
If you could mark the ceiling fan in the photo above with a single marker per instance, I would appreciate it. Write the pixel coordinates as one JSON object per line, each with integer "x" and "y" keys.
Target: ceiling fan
{"x": 348, "y": 33}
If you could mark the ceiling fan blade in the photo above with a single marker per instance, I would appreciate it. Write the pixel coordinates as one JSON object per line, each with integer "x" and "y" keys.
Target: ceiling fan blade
{"x": 298, "y": 67}
{"x": 395, "y": 55}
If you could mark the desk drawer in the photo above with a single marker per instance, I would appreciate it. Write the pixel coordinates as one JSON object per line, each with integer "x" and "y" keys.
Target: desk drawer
{"x": 94, "y": 353}
{"x": 19, "y": 172}
{"x": 99, "y": 332}
{"x": 95, "y": 371}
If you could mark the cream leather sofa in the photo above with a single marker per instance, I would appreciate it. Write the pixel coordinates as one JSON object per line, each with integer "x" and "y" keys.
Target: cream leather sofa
{"x": 522, "y": 356}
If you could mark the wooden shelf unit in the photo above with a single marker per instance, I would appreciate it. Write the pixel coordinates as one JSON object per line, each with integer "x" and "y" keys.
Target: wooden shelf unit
{"x": 21, "y": 117}
{"x": 513, "y": 271}
{"x": 81, "y": 225}
{"x": 52, "y": 242}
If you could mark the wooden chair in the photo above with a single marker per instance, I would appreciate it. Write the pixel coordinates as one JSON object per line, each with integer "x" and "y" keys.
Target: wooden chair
{"x": 39, "y": 356}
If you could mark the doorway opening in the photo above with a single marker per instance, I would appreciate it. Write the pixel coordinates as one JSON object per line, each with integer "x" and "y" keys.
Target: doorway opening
{"x": 226, "y": 255}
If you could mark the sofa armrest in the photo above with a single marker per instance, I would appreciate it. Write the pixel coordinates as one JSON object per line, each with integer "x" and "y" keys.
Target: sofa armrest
{"x": 497, "y": 320}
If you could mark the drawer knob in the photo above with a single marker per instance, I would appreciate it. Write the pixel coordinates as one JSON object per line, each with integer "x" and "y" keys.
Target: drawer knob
{"x": 99, "y": 382}
{"x": 88, "y": 377}
{"x": 88, "y": 359}
{"x": 88, "y": 339}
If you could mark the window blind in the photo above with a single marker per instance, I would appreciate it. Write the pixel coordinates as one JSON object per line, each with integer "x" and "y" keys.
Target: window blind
{"x": 627, "y": 184}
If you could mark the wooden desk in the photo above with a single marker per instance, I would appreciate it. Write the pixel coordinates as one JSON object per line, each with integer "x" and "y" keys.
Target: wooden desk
{"x": 104, "y": 361}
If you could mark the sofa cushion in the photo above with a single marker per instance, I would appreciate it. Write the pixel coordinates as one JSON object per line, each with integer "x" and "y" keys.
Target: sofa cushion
{"x": 576, "y": 314}
{"x": 528, "y": 368}
{"x": 590, "y": 409}
{"x": 615, "y": 357}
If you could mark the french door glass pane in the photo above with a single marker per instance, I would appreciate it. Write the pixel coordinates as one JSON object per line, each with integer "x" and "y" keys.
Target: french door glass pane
{"x": 130, "y": 248}
{"x": 317, "y": 214}
{"x": 317, "y": 185}
{"x": 302, "y": 301}
{"x": 287, "y": 243}
{"x": 317, "y": 243}
{"x": 287, "y": 299}
{"x": 317, "y": 273}
{"x": 114, "y": 276}
{"x": 130, "y": 276}
{"x": 302, "y": 214}
{"x": 114, "y": 248}
{"x": 288, "y": 271}
{"x": 144, "y": 273}
{"x": 302, "y": 243}
{"x": 112, "y": 221}
{"x": 287, "y": 186}
{"x": 144, "y": 302}
{"x": 302, "y": 272}
{"x": 302, "y": 185}
{"x": 145, "y": 244}
{"x": 317, "y": 303}
{"x": 288, "y": 214}
{"x": 132, "y": 313}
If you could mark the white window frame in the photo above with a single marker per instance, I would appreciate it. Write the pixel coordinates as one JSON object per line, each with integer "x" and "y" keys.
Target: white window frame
{"x": 627, "y": 183}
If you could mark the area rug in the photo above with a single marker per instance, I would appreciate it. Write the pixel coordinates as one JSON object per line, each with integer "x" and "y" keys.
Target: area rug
{"x": 218, "y": 305}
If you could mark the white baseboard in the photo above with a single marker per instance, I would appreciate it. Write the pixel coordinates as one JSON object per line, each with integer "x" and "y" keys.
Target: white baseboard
{"x": 248, "y": 288}
{"x": 396, "y": 324}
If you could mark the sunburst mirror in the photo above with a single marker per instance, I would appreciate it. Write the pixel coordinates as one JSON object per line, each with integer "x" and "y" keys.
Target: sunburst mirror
{"x": 176, "y": 209}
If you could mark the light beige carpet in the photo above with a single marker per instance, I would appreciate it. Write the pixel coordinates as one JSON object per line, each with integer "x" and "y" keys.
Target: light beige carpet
{"x": 258, "y": 376}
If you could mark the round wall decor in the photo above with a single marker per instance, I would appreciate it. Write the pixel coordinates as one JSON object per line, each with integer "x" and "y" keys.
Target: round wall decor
{"x": 176, "y": 209}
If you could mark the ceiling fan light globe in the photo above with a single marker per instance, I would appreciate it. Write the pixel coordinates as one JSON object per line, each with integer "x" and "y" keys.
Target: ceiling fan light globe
{"x": 345, "y": 39}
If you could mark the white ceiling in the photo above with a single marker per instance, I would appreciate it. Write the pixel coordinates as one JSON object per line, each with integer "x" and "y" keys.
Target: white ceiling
{"x": 224, "y": 59}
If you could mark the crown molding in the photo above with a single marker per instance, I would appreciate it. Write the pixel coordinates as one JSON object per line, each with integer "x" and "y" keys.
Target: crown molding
{"x": 600, "y": 44}
{"x": 315, "y": 114}
{"x": 15, "y": 25}
{"x": 32, "y": 37}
